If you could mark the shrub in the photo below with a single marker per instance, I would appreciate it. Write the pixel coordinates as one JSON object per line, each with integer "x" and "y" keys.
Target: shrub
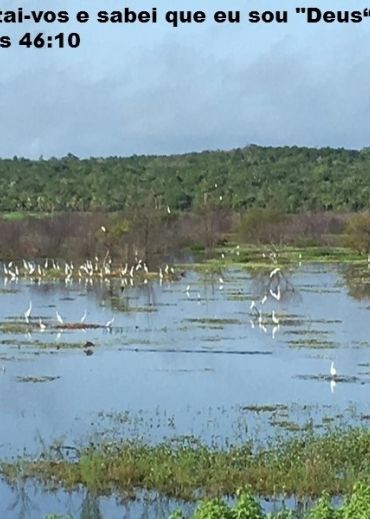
{"x": 358, "y": 505}
{"x": 358, "y": 232}
{"x": 322, "y": 509}
{"x": 215, "y": 509}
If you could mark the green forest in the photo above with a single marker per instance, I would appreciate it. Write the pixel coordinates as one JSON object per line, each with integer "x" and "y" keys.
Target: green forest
{"x": 291, "y": 179}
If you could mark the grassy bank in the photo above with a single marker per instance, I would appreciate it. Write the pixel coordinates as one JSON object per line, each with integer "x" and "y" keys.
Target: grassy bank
{"x": 265, "y": 258}
{"x": 303, "y": 466}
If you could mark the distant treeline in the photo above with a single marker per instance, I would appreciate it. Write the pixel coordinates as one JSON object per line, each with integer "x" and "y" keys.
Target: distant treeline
{"x": 290, "y": 179}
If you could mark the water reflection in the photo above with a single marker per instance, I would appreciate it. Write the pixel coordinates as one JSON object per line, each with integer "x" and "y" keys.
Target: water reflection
{"x": 180, "y": 359}
{"x": 90, "y": 507}
{"x": 24, "y": 501}
{"x": 22, "y": 505}
{"x": 357, "y": 280}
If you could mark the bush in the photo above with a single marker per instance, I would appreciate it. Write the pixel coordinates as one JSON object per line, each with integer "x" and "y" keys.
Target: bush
{"x": 215, "y": 509}
{"x": 358, "y": 505}
{"x": 322, "y": 509}
{"x": 358, "y": 233}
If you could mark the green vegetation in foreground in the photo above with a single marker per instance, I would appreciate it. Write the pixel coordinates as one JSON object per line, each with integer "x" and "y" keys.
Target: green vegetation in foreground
{"x": 303, "y": 466}
{"x": 355, "y": 506}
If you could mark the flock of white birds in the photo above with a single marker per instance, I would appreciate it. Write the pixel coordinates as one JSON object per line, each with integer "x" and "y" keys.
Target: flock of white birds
{"x": 103, "y": 269}
{"x": 87, "y": 270}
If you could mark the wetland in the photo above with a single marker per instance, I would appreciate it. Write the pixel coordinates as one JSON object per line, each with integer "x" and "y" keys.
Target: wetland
{"x": 136, "y": 399}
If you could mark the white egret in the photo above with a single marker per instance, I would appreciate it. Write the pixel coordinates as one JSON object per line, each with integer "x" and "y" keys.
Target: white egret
{"x": 333, "y": 371}
{"x": 109, "y": 323}
{"x": 275, "y": 319}
{"x": 27, "y": 313}
{"x": 59, "y": 317}
{"x": 42, "y": 325}
{"x": 83, "y": 318}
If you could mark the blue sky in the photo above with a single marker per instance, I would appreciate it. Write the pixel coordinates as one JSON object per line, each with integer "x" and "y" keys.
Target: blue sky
{"x": 154, "y": 89}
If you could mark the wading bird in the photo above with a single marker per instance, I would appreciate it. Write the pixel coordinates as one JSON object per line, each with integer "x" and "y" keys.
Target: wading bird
{"x": 59, "y": 317}
{"x": 83, "y": 318}
{"x": 109, "y": 323}
{"x": 27, "y": 313}
{"x": 42, "y": 325}
{"x": 333, "y": 371}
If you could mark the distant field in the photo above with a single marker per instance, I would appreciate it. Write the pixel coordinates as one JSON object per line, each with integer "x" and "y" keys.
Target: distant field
{"x": 22, "y": 215}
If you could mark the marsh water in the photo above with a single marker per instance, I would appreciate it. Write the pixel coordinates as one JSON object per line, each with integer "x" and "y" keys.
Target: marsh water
{"x": 183, "y": 358}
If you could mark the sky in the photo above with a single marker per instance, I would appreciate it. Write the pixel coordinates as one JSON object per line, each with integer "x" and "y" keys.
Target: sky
{"x": 155, "y": 89}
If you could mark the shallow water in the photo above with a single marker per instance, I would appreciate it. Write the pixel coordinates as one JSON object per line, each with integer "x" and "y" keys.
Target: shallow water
{"x": 176, "y": 362}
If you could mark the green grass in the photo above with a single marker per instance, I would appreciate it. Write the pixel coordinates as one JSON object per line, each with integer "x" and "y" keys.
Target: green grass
{"x": 257, "y": 258}
{"x": 302, "y": 466}
{"x": 22, "y": 215}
